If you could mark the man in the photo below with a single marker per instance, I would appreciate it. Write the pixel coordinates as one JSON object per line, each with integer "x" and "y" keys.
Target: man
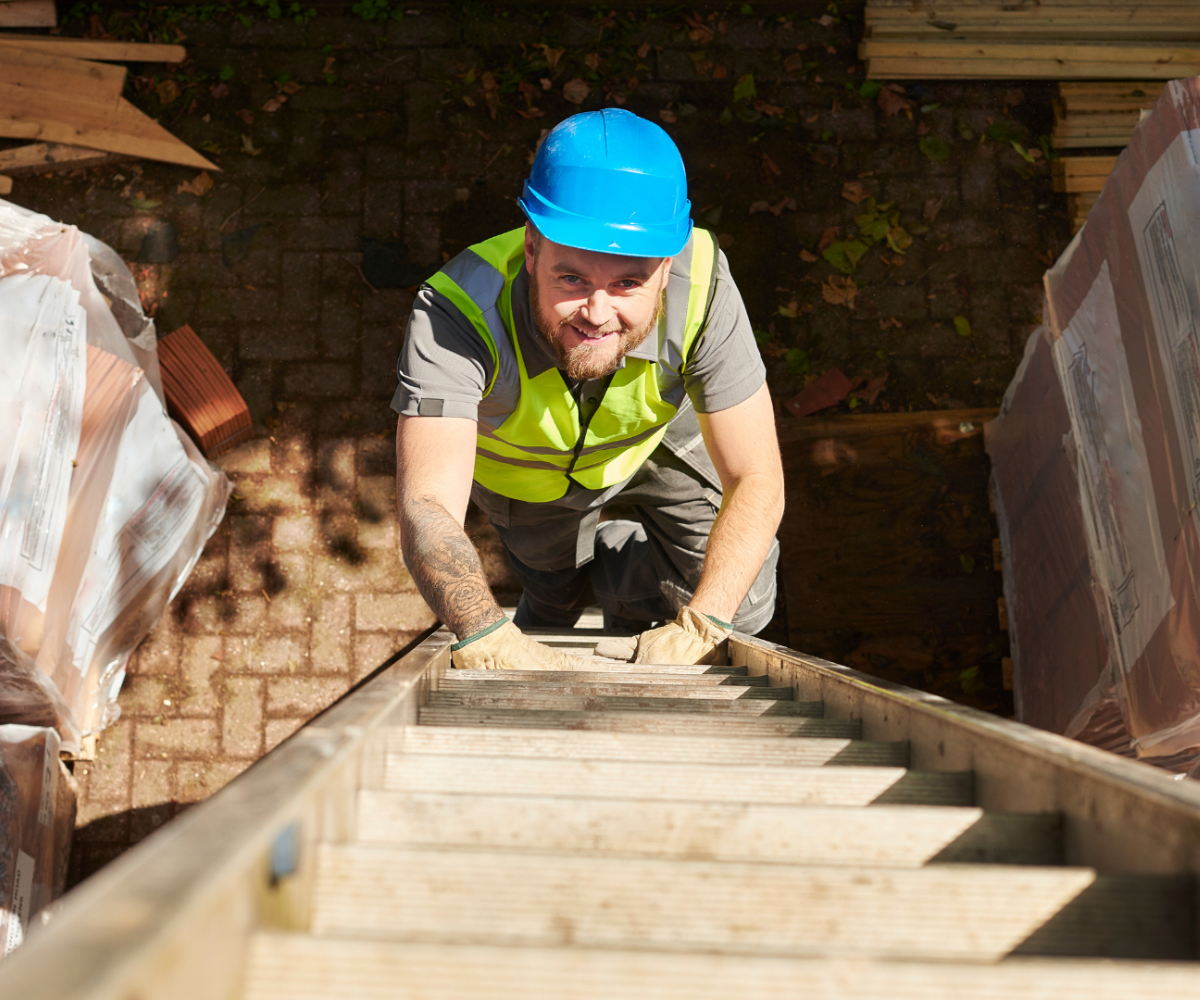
{"x": 602, "y": 353}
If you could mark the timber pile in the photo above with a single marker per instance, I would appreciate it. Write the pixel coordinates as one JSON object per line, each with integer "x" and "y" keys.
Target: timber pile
{"x": 27, "y": 14}
{"x": 65, "y": 94}
{"x": 1081, "y": 178}
{"x": 1031, "y": 39}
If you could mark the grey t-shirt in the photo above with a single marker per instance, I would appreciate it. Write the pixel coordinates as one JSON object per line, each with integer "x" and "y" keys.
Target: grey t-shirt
{"x": 444, "y": 365}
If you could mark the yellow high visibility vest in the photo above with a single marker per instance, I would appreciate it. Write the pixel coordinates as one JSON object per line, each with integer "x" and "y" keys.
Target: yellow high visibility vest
{"x": 539, "y": 448}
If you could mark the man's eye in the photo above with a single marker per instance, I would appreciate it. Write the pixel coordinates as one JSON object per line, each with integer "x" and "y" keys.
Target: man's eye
{"x": 570, "y": 279}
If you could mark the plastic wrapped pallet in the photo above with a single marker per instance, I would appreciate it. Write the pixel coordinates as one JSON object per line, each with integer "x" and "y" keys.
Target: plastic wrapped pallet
{"x": 107, "y": 502}
{"x": 37, "y": 818}
{"x": 1096, "y": 460}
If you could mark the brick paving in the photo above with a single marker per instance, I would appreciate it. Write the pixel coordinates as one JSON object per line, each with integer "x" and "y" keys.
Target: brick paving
{"x": 387, "y": 135}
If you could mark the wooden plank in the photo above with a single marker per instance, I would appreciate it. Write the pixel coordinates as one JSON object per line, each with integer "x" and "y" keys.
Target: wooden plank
{"x": 684, "y": 749}
{"x": 1179, "y": 56}
{"x": 40, "y": 157}
{"x": 641, "y": 722}
{"x": 1014, "y": 68}
{"x": 1081, "y": 174}
{"x": 6, "y": 184}
{"x": 452, "y": 677}
{"x": 28, "y": 14}
{"x": 93, "y": 82}
{"x": 882, "y": 836}
{"x": 516, "y": 689}
{"x": 794, "y": 786}
{"x": 26, "y": 114}
{"x": 1107, "y": 96}
{"x": 104, "y": 50}
{"x": 302, "y": 967}
{"x": 953, "y": 912}
{"x": 777, "y": 706}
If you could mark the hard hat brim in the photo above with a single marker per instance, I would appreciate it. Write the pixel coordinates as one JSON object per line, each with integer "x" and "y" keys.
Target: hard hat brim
{"x": 623, "y": 239}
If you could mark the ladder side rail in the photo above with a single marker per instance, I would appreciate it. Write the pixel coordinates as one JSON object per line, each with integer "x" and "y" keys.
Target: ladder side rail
{"x": 172, "y": 918}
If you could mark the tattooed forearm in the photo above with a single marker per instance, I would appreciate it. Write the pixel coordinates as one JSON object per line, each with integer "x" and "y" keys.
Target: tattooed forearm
{"x": 446, "y": 567}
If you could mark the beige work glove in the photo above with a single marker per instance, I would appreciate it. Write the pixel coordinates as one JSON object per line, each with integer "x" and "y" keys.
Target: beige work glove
{"x": 690, "y": 638}
{"x": 503, "y": 646}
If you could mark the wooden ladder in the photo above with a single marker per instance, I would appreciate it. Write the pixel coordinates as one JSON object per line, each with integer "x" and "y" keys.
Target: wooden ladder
{"x": 689, "y": 832}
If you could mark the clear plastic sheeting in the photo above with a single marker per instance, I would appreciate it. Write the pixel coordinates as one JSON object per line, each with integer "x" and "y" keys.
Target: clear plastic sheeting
{"x": 1096, "y": 458}
{"x": 105, "y": 503}
{"x": 37, "y": 818}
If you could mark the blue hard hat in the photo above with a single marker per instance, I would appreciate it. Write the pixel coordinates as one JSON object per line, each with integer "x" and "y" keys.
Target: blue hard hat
{"x": 610, "y": 181}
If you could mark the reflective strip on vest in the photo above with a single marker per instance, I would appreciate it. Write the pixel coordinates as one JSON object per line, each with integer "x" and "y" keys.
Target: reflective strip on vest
{"x": 535, "y": 452}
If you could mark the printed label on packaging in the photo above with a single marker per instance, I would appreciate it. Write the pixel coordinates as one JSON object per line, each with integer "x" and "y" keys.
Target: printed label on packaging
{"x": 49, "y": 783}
{"x": 18, "y": 914}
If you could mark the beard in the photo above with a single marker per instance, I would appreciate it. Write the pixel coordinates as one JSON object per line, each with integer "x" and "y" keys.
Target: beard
{"x": 585, "y": 361}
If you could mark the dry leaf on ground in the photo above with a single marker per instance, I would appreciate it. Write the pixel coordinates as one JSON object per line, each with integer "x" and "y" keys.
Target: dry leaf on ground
{"x": 828, "y": 236}
{"x": 246, "y": 115}
{"x": 667, "y": 115}
{"x": 839, "y": 291}
{"x": 592, "y": 60}
{"x": 932, "y": 207}
{"x": 870, "y": 392}
{"x": 576, "y": 90}
{"x": 855, "y": 192}
{"x": 893, "y": 103}
{"x": 168, "y": 91}
{"x": 219, "y": 90}
{"x": 643, "y": 50}
{"x": 249, "y": 147}
{"x": 890, "y": 322}
{"x": 552, "y": 55}
{"x": 827, "y": 389}
{"x": 199, "y": 185}
{"x": 809, "y": 257}
{"x": 776, "y": 209}
{"x": 275, "y": 103}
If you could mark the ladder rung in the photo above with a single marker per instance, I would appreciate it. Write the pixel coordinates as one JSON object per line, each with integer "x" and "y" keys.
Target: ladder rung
{"x": 644, "y": 722}
{"x": 609, "y": 676}
{"x": 779, "y": 706}
{"x": 952, "y": 912}
{"x": 885, "y": 836}
{"x": 845, "y": 786}
{"x": 592, "y": 745}
{"x": 540, "y": 689}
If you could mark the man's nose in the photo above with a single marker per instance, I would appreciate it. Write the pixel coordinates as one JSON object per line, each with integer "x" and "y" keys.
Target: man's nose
{"x": 598, "y": 309}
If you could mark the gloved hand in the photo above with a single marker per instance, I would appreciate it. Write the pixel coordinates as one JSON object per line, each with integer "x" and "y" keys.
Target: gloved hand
{"x": 691, "y": 638}
{"x": 503, "y": 646}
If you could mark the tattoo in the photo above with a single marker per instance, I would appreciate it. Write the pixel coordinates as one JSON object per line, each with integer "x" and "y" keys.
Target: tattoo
{"x": 446, "y": 568}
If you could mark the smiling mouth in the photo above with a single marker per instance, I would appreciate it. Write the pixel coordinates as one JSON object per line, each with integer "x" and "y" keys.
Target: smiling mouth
{"x": 597, "y": 335}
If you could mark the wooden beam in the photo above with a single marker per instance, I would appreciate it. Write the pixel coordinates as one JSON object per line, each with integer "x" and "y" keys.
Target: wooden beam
{"x": 1078, "y": 174}
{"x": 28, "y": 14}
{"x": 5, "y": 184}
{"x": 41, "y": 157}
{"x": 1001, "y": 68}
{"x": 95, "y": 82}
{"x": 26, "y": 114}
{"x": 96, "y": 48}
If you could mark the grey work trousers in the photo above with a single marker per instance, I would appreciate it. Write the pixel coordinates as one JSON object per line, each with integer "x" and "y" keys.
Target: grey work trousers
{"x": 640, "y": 572}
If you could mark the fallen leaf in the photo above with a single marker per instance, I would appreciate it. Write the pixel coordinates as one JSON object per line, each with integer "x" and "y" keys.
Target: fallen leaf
{"x": 701, "y": 32}
{"x": 1014, "y": 97}
{"x": 545, "y": 82}
{"x": 932, "y": 207}
{"x": 759, "y": 206}
{"x": 789, "y": 309}
{"x": 199, "y": 185}
{"x": 246, "y": 115}
{"x": 870, "y": 392}
{"x": 168, "y": 91}
{"x": 275, "y": 103}
{"x": 809, "y": 257}
{"x": 845, "y": 255}
{"x": 249, "y": 147}
{"x": 767, "y": 169}
{"x": 828, "y": 236}
{"x": 643, "y": 50}
{"x": 531, "y": 112}
{"x": 891, "y": 321}
{"x": 893, "y": 103}
{"x": 328, "y": 67}
{"x": 552, "y": 55}
{"x": 745, "y": 89}
{"x": 770, "y": 110}
{"x": 923, "y": 128}
{"x": 827, "y": 389}
{"x": 1046, "y": 258}
{"x": 667, "y": 115}
{"x": 962, "y": 326}
{"x": 935, "y": 148}
{"x": 794, "y": 63}
{"x": 725, "y": 240}
{"x": 291, "y": 87}
{"x": 855, "y": 192}
{"x": 144, "y": 204}
{"x": 576, "y": 90}
{"x": 839, "y": 292}
{"x": 826, "y": 21}
{"x": 720, "y": 73}
{"x": 528, "y": 91}
{"x": 219, "y": 90}
{"x": 592, "y": 60}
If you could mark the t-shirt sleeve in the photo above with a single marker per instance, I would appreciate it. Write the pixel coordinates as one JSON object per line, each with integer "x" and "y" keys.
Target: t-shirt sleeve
{"x": 725, "y": 367}
{"x": 444, "y": 365}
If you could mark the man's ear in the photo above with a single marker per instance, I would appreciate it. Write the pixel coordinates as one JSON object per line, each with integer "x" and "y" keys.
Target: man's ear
{"x": 530, "y": 246}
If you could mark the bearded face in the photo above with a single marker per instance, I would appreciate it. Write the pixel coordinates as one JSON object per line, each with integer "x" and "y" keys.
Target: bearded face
{"x": 593, "y": 307}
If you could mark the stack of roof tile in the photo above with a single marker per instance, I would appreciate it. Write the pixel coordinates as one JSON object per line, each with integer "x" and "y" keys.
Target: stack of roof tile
{"x": 200, "y": 395}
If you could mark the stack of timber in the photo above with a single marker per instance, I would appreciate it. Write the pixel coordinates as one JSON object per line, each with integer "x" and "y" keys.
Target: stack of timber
{"x": 64, "y": 94}
{"x": 1095, "y": 115}
{"x": 774, "y": 828}
{"x": 1031, "y": 39}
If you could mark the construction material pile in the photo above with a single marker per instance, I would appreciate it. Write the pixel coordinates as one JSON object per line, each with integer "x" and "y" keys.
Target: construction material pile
{"x": 66, "y": 94}
{"x": 105, "y": 503}
{"x": 1096, "y": 459}
{"x": 37, "y": 818}
{"x": 1031, "y": 39}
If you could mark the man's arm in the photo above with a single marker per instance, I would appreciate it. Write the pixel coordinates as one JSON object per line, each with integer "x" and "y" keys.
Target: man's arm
{"x": 435, "y": 459}
{"x": 742, "y": 443}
